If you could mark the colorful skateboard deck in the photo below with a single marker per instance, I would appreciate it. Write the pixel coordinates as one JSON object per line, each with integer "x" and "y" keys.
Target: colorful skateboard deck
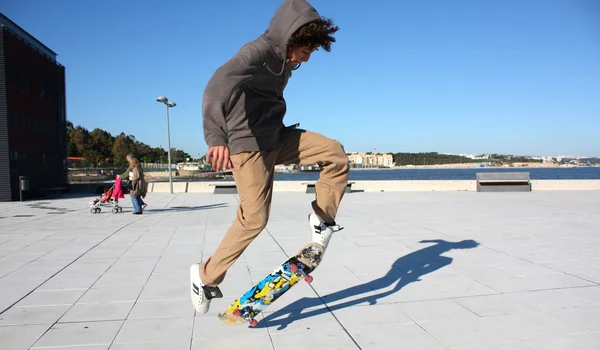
{"x": 266, "y": 291}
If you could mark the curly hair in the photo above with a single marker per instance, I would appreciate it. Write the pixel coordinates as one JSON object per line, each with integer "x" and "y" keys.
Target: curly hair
{"x": 314, "y": 34}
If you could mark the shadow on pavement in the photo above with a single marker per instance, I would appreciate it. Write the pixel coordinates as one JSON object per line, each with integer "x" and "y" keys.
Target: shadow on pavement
{"x": 186, "y": 208}
{"x": 405, "y": 270}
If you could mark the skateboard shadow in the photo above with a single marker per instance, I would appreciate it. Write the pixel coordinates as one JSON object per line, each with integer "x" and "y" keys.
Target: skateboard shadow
{"x": 407, "y": 269}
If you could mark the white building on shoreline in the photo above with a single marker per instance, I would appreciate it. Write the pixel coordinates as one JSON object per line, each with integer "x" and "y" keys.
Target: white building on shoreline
{"x": 371, "y": 160}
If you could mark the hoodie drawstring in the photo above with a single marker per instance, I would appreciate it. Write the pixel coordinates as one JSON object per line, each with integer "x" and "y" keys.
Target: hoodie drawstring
{"x": 282, "y": 67}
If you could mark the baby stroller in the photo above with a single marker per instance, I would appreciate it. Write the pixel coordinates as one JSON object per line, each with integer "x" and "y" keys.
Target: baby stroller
{"x": 110, "y": 198}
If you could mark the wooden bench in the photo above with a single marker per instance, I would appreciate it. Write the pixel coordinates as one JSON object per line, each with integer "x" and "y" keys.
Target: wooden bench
{"x": 310, "y": 187}
{"x": 503, "y": 182}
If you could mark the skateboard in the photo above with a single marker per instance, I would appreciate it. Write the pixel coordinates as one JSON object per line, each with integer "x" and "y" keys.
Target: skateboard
{"x": 266, "y": 291}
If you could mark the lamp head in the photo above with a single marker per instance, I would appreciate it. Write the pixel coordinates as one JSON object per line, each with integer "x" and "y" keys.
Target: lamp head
{"x": 171, "y": 104}
{"x": 162, "y": 99}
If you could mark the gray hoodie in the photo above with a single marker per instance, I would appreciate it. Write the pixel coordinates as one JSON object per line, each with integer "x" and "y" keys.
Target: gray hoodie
{"x": 243, "y": 105}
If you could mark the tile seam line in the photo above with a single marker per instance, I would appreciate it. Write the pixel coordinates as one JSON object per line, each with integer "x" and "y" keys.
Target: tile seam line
{"x": 72, "y": 262}
{"x": 145, "y": 284}
{"x": 320, "y": 298}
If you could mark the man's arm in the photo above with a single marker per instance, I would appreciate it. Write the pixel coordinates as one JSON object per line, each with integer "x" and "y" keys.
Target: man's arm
{"x": 125, "y": 175}
{"x": 221, "y": 89}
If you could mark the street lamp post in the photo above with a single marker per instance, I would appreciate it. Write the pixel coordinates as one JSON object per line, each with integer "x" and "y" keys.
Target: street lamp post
{"x": 169, "y": 105}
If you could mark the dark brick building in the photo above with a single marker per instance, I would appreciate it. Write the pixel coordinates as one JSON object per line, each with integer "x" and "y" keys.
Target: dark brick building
{"x": 33, "y": 139}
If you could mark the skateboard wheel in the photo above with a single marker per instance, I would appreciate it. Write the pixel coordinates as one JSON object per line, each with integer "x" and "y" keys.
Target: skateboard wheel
{"x": 236, "y": 313}
{"x": 308, "y": 279}
{"x": 293, "y": 268}
{"x": 253, "y": 323}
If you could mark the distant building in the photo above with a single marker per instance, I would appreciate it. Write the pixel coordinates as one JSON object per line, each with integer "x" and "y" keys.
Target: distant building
{"x": 33, "y": 136}
{"x": 371, "y": 160}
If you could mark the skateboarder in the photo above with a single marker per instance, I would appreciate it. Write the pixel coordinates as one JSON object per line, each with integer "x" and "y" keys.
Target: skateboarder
{"x": 243, "y": 110}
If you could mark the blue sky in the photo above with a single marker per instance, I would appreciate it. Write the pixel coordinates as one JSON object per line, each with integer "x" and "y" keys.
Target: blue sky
{"x": 511, "y": 76}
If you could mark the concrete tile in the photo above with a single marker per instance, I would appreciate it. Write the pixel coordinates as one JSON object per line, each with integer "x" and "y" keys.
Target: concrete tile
{"x": 534, "y": 282}
{"x": 177, "y": 345}
{"x": 32, "y": 315}
{"x": 162, "y": 308}
{"x": 166, "y": 287}
{"x": 462, "y": 288}
{"x": 497, "y": 329}
{"x": 299, "y": 321}
{"x": 99, "y": 311}
{"x": 395, "y": 337}
{"x": 79, "y": 334}
{"x": 118, "y": 281}
{"x": 21, "y": 337}
{"x": 589, "y": 275}
{"x": 250, "y": 341}
{"x": 591, "y": 294}
{"x": 370, "y": 316}
{"x": 60, "y": 282}
{"x": 144, "y": 250}
{"x": 209, "y": 327}
{"x": 80, "y": 347}
{"x": 549, "y": 299}
{"x": 570, "y": 266}
{"x": 586, "y": 317}
{"x": 328, "y": 339}
{"x": 8, "y": 299}
{"x": 526, "y": 268}
{"x": 516, "y": 345}
{"x": 491, "y": 305}
{"x": 99, "y": 295}
{"x": 433, "y": 310}
{"x": 339, "y": 283}
{"x": 155, "y": 330}
{"x": 52, "y": 297}
{"x": 576, "y": 341}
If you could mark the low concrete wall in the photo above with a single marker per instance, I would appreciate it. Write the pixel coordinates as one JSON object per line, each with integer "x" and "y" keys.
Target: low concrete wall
{"x": 565, "y": 185}
{"x": 414, "y": 185}
{"x": 382, "y": 186}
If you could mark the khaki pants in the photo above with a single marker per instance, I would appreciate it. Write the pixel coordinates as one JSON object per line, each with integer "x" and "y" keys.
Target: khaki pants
{"x": 253, "y": 173}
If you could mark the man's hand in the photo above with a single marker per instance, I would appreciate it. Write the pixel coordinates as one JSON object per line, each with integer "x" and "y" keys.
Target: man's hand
{"x": 218, "y": 158}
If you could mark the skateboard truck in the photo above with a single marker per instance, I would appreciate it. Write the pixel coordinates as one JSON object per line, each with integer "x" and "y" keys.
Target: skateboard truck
{"x": 294, "y": 269}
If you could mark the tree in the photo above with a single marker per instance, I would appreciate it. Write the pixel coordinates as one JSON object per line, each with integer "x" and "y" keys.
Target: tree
{"x": 121, "y": 147}
{"x": 93, "y": 157}
{"x": 102, "y": 142}
{"x": 81, "y": 140}
{"x": 98, "y": 145}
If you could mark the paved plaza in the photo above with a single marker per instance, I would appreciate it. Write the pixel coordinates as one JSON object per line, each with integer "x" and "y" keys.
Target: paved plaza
{"x": 410, "y": 270}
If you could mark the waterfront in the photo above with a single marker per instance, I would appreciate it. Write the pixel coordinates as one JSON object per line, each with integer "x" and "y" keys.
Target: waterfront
{"x": 575, "y": 173}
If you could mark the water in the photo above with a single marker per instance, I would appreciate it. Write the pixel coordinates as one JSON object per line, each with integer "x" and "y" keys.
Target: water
{"x": 576, "y": 173}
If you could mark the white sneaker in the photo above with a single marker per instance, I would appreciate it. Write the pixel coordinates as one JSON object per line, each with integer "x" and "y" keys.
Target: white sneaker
{"x": 321, "y": 232}
{"x": 201, "y": 294}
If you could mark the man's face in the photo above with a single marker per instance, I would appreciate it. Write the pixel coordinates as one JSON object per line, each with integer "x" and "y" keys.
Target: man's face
{"x": 300, "y": 54}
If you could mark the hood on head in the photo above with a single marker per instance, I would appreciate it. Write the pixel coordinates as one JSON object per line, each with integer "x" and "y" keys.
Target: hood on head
{"x": 289, "y": 17}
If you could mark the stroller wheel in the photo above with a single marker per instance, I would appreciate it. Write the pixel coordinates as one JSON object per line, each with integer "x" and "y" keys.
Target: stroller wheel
{"x": 120, "y": 210}
{"x": 115, "y": 210}
{"x": 98, "y": 210}
{"x": 93, "y": 210}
